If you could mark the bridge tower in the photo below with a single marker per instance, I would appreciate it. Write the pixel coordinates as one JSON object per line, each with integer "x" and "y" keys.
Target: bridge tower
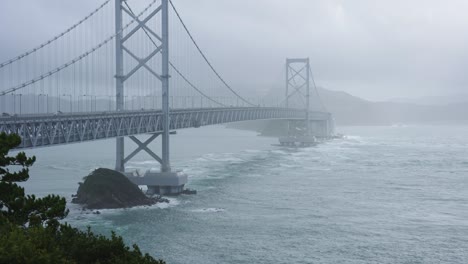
{"x": 165, "y": 181}
{"x": 295, "y": 88}
{"x": 298, "y": 80}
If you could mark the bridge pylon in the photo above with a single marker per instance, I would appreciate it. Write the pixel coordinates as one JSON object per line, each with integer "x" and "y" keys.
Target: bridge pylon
{"x": 165, "y": 181}
{"x": 298, "y": 80}
{"x": 295, "y": 88}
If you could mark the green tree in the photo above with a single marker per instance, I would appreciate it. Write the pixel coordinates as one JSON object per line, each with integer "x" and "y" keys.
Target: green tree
{"x": 18, "y": 208}
{"x": 30, "y": 231}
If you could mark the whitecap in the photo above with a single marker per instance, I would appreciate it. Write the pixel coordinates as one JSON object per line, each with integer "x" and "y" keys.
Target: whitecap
{"x": 287, "y": 165}
{"x": 146, "y": 162}
{"x": 252, "y": 151}
{"x": 208, "y": 210}
{"x": 55, "y": 167}
{"x": 77, "y": 213}
{"x": 276, "y": 151}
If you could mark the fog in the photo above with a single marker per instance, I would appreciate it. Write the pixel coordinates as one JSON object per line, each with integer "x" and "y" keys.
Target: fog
{"x": 222, "y": 153}
{"x": 377, "y": 50}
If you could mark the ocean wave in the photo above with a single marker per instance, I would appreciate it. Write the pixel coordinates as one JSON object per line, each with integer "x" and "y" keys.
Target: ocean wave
{"x": 208, "y": 210}
{"x": 253, "y": 151}
{"x": 77, "y": 212}
{"x": 146, "y": 162}
{"x": 224, "y": 157}
{"x": 284, "y": 165}
{"x": 351, "y": 137}
{"x": 277, "y": 151}
{"x": 201, "y": 159}
{"x": 56, "y": 167}
{"x": 317, "y": 169}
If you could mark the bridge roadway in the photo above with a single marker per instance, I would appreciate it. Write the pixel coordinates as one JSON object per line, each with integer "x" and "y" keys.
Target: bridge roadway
{"x": 40, "y": 130}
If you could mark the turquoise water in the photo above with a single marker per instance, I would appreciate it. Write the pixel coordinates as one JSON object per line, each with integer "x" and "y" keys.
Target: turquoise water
{"x": 380, "y": 195}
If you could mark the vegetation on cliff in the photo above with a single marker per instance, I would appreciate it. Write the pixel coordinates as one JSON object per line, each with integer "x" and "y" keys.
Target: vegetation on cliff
{"x": 30, "y": 231}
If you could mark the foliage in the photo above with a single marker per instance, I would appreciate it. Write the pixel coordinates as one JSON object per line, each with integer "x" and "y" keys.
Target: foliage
{"x": 65, "y": 245}
{"x": 18, "y": 208}
{"x": 30, "y": 231}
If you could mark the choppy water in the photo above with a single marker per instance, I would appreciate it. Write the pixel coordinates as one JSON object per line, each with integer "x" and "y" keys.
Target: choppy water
{"x": 381, "y": 195}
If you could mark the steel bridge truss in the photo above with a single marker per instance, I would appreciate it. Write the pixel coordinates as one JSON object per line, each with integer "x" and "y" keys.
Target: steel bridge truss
{"x": 50, "y": 130}
{"x": 141, "y": 25}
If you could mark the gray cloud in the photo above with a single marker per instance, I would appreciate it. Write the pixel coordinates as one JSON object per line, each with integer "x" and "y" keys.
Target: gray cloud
{"x": 373, "y": 49}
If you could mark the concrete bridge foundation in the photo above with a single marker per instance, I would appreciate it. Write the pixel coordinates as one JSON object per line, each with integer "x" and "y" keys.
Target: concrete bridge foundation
{"x": 162, "y": 183}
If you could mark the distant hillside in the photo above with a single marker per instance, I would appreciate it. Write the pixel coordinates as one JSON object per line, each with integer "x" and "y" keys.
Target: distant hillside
{"x": 433, "y": 100}
{"x": 351, "y": 110}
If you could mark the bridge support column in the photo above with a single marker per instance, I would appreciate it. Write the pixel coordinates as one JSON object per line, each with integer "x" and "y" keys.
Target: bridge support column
{"x": 119, "y": 83}
{"x": 119, "y": 153}
{"x": 164, "y": 181}
{"x": 165, "y": 163}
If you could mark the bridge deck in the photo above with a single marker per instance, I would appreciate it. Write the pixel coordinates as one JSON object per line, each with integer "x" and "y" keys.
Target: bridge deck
{"x": 39, "y": 130}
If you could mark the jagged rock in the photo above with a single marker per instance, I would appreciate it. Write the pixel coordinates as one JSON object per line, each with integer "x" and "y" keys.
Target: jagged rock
{"x": 107, "y": 189}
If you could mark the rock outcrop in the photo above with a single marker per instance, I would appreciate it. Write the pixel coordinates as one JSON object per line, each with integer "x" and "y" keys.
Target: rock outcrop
{"x": 107, "y": 189}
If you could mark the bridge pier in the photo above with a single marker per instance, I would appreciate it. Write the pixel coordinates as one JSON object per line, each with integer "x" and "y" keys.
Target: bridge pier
{"x": 119, "y": 153}
{"x": 296, "y": 134}
{"x": 162, "y": 183}
{"x": 158, "y": 181}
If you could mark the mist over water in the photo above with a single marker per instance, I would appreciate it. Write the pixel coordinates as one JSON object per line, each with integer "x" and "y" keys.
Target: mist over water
{"x": 380, "y": 195}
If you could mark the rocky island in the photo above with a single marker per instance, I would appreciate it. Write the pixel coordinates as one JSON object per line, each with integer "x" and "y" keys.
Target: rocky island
{"x": 109, "y": 189}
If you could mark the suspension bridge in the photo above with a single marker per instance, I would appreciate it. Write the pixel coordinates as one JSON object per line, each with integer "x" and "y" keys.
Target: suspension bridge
{"x": 118, "y": 73}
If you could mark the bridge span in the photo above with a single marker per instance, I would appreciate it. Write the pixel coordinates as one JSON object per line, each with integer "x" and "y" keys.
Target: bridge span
{"x": 41, "y": 130}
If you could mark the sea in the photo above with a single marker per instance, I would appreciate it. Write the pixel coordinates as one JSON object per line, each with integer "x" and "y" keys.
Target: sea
{"x": 388, "y": 194}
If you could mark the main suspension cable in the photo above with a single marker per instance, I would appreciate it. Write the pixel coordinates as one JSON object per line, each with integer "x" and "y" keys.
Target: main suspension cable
{"x": 316, "y": 91}
{"x": 77, "y": 59}
{"x": 50, "y": 41}
{"x": 206, "y": 59}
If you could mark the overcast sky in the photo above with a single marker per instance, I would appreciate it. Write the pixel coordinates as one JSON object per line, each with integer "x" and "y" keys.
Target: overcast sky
{"x": 373, "y": 49}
